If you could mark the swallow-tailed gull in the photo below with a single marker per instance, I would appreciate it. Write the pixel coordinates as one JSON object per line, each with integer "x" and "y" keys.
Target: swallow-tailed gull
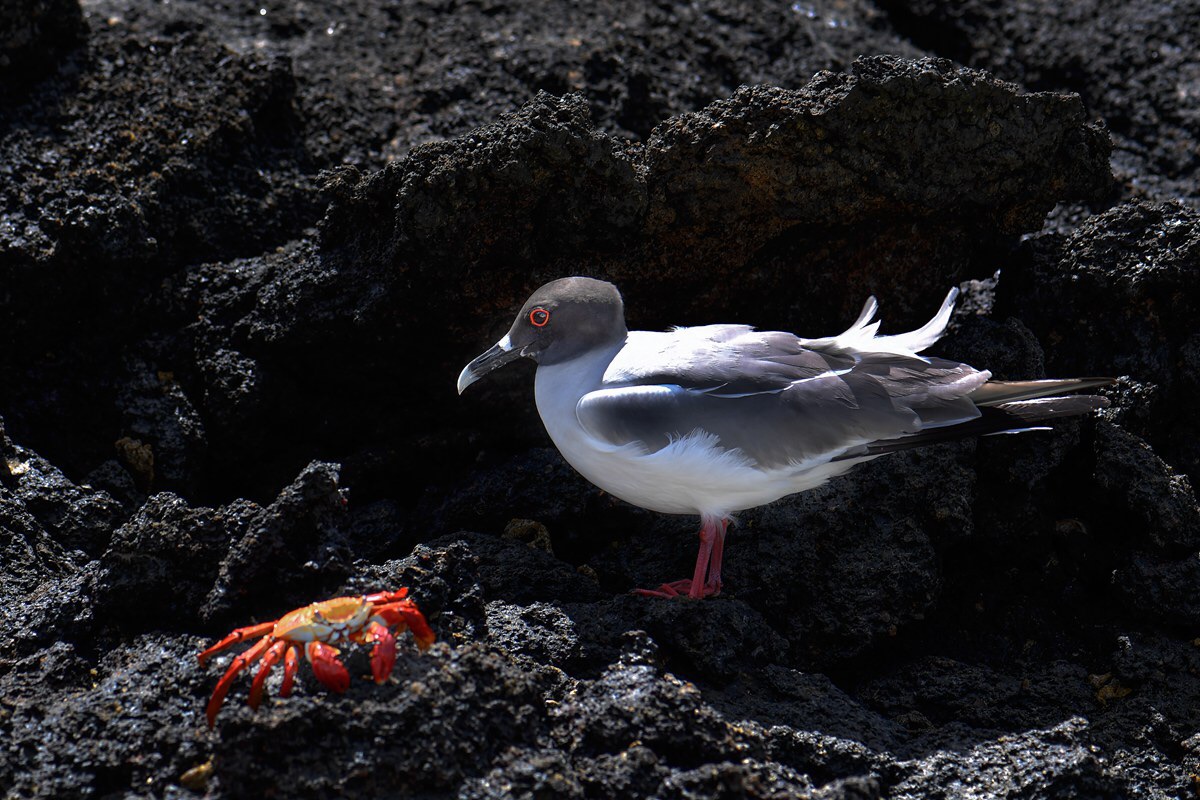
{"x": 716, "y": 419}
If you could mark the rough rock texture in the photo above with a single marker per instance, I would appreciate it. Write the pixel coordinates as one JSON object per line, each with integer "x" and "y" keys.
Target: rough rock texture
{"x": 143, "y": 153}
{"x": 375, "y": 80}
{"x": 1124, "y": 296}
{"x": 1132, "y": 63}
{"x": 244, "y": 250}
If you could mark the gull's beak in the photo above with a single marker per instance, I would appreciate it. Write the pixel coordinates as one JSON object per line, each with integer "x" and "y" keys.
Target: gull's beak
{"x": 497, "y": 356}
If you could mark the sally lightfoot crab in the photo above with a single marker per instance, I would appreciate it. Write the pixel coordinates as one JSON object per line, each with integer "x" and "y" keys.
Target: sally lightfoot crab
{"x": 320, "y": 628}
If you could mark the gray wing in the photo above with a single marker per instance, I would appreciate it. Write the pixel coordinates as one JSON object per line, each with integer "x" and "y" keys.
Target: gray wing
{"x": 774, "y": 399}
{"x": 728, "y": 360}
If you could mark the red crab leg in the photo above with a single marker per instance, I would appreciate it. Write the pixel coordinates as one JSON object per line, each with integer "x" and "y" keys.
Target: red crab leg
{"x": 407, "y": 614}
{"x": 239, "y": 664}
{"x": 291, "y": 663}
{"x": 269, "y": 660}
{"x": 238, "y": 635}
{"x": 383, "y": 654}
{"x": 329, "y": 671}
{"x": 387, "y": 597}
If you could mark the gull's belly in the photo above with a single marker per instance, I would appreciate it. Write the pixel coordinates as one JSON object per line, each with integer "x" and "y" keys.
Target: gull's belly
{"x": 692, "y": 475}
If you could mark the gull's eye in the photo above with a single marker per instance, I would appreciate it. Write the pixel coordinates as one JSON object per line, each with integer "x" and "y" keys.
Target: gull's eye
{"x": 539, "y": 317}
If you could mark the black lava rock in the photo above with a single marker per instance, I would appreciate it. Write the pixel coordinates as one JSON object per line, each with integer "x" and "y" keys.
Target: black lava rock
{"x": 244, "y": 251}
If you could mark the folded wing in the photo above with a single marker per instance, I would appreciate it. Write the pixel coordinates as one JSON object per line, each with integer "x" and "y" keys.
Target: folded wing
{"x": 779, "y": 399}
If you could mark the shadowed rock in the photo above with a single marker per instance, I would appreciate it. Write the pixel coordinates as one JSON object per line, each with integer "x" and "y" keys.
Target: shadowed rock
{"x": 34, "y": 35}
{"x": 1121, "y": 295}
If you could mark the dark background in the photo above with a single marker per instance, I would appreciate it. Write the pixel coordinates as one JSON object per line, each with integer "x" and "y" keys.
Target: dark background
{"x": 245, "y": 249}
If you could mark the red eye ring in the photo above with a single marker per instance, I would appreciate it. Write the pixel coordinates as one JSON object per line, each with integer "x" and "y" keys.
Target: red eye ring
{"x": 539, "y": 317}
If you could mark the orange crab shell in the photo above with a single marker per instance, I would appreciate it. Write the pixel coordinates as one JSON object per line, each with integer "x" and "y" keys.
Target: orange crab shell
{"x": 328, "y": 621}
{"x": 320, "y": 627}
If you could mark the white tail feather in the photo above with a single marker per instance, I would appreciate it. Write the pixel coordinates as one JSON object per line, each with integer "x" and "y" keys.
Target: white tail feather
{"x": 924, "y": 336}
{"x": 861, "y": 336}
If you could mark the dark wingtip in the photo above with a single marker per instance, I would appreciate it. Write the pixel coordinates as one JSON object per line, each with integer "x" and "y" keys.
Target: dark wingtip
{"x": 1094, "y": 383}
{"x": 1012, "y": 417}
{"x": 1044, "y": 408}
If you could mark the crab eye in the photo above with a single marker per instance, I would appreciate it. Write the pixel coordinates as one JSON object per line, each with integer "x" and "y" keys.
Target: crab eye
{"x": 539, "y": 317}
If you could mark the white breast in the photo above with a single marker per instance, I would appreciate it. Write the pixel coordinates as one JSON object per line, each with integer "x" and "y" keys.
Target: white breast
{"x": 692, "y": 475}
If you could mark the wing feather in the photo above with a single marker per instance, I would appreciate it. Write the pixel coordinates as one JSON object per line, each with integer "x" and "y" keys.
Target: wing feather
{"x": 779, "y": 399}
{"x": 819, "y": 416}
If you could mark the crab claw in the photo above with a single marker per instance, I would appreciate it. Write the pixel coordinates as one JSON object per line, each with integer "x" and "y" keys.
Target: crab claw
{"x": 380, "y": 598}
{"x": 329, "y": 671}
{"x": 406, "y": 613}
{"x": 383, "y": 654}
{"x": 416, "y": 623}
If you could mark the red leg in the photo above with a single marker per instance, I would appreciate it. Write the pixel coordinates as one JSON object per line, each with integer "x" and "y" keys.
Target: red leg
{"x": 708, "y": 537}
{"x": 269, "y": 660}
{"x": 239, "y": 663}
{"x": 713, "y": 584}
{"x": 712, "y": 537}
{"x": 291, "y": 663}
{"x": 238, "y": 635}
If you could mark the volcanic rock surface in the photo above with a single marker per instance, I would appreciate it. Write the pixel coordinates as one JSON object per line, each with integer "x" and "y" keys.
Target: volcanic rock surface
{"x": 244, "y": 251}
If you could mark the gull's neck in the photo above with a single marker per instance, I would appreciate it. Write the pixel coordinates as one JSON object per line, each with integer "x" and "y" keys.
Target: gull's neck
{"x": 567, "y": 381}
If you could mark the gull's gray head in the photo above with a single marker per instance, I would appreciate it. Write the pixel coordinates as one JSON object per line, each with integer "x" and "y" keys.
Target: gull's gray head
{"x": 558, "y": 322}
